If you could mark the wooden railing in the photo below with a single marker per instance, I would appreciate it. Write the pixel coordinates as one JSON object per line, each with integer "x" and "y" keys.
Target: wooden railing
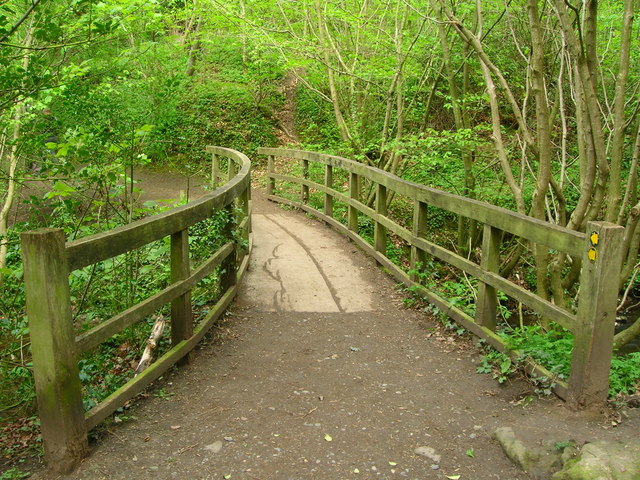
{"x": 48, "y": 262}
{"x": 600, "y": 250}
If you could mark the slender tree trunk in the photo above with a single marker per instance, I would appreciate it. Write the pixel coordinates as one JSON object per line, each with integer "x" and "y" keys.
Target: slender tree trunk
{"x": 345, "y": 135}
{"x": 630, "y": 196}
{"x": 12, "y": 185}
{"x": 582, "y": 52}
{"x": 459, "y": 120}
{"x": 544, "y": 151}
{"x": 194, "y": 49}
{"x": 613, "y": 201}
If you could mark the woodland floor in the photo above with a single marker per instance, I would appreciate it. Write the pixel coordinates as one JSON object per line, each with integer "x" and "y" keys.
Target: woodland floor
{"x": 347, "y": 387}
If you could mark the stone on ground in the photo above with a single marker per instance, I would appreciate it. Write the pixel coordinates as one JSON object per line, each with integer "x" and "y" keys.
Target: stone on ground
{"x": 538, "y": 459}
{"x": 600, "y": 460}
{"x": 604, "y": 460}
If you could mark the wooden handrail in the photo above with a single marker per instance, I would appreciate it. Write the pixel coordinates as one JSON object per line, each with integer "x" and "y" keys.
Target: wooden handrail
{"x": 102, "y": 246}
{"x": 600, "y": 252}
{"x": 49, "y": 260}
{"x": 532, "y": 229}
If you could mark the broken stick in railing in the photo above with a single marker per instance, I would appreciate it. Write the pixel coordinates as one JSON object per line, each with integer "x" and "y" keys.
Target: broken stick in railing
{"x": 152, "y": 344}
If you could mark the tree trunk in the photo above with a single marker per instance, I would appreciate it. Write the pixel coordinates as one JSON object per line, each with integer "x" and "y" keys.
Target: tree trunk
{"x": 617, "y": 147}
{"x": 345, "y": 135}
{"x": 194, "y": 49}
{"x": 12, "y": 185}
{"x": 461, "y": 122}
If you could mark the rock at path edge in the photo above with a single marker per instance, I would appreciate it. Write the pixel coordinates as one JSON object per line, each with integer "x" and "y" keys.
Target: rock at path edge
{"x": 604, "y": 460}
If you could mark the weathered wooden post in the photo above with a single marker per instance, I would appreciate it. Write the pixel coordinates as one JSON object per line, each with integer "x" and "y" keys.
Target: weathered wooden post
{"x": 215, "y": 169}
{"x": 304, "y": 190}
{"x": 244, "y": 199}
{"x": 271, "y": 170}
{"x": 595, "y": 320}
{"x": 181, "y": 309}
{"x": 418, "y": 256}
{"x": 328, "y": 198}
{"x": 231, "y": 169}
{"x": 354, "y": 194}
{"x": 380, "y": 231}
{"x": 487, "y": 304}
{"x": 229, "y": 267}
{"x": 55, "y": 360}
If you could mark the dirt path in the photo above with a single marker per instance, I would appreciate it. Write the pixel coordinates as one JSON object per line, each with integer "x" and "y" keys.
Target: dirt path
{"x": 334, "y": 382}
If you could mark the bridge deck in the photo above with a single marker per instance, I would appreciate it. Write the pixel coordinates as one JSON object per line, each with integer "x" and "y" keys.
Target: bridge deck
{"x": 319, "y": 375}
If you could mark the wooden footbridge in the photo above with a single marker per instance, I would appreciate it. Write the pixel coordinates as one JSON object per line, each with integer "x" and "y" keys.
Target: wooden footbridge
{"x": 340, "y": 186}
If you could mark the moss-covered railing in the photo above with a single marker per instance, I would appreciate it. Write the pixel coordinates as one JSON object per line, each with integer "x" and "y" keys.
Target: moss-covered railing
{"x": 48, "y": 262}
{"x": 600, "y": 251}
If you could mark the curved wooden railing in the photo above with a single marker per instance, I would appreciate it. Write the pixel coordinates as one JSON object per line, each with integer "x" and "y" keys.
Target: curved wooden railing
{"x": 48, "y": 261}
{"x": 600, "y": 251}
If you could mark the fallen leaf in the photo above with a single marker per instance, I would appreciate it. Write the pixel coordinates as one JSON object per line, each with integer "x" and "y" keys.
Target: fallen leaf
{"x": 356, "y": 470}
{"x": 393, "y": 464}
{"x": 328, "y": 437}
{"x": 453, "y": 477}
{"x": 227, "y": 477}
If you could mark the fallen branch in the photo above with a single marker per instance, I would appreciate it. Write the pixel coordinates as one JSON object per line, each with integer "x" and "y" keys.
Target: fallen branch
{"x": 152, "y": 344}
{"x": 626, "y": 335}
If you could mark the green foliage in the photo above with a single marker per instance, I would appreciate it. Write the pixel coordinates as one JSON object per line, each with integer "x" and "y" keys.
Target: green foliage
{"x": 221, "y": 113}
{"x": 625, "y": 374}
{"x": 497, "y": 364}
{"x": 552, "y": 350}
{"x": 436, "y": 277}
{"x": 434, "y": 159}
{"x": 14, "y": 473}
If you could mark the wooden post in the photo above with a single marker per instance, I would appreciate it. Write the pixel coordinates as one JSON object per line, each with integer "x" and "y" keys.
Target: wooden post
{"x": 181, "y": 311}
{"x": 380, "y": 231}
{"x": 231, "y": 169}
{"x": 55, "y": 360}
{"x": 271, "y": 184}
{"x": 215, "y": 169}
{"x": 354, "y": 194}
{"x": 244, "y": 205}
{"x": 418, "y": 256}
{"x": 304, "y": 191}
{"x": 229, "y": 267}
{"x": 328, "y": 198}
{"x": 487, "y": 304}
{"x": 595, "y": 321}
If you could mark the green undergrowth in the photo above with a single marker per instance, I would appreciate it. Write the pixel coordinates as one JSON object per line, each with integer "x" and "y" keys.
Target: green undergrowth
{"x": 552, "y": 349}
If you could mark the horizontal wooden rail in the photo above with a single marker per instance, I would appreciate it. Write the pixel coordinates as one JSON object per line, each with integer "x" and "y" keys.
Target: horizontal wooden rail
{"x": 49, "y": 260}
{"x": 102, "y": 246}
{"x": 537, "y": 231}
{"x": 125, "y": 393}
{"x": 592, "y": 325}
{"x": 105, "y": 330}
